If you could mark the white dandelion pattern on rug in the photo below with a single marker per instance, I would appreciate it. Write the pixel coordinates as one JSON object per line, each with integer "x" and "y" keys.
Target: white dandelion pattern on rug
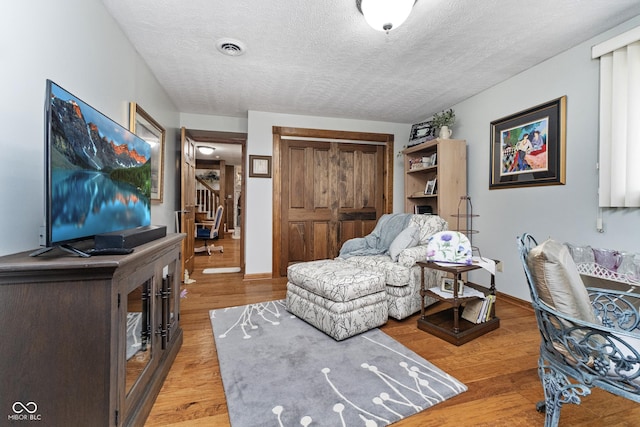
{"x": 296, "y": 375}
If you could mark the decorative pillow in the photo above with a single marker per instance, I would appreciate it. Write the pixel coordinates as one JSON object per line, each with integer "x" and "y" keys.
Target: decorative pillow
{"x": 558, "y": 282}
{"x": 449, "y": 247}
{"x": 407, "y": 238}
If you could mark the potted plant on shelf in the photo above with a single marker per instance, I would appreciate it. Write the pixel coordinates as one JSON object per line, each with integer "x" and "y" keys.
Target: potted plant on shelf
{"x": 443, "y": 121}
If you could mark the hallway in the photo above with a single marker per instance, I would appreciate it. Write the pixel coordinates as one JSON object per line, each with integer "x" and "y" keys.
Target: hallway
{"x": 229, "y": 258}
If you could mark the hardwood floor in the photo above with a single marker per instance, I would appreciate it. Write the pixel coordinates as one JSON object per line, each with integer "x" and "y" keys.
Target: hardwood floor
{"x": 500, "y": 368}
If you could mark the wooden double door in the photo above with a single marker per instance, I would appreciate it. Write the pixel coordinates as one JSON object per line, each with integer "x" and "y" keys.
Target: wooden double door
{"x": 330, "y": 192}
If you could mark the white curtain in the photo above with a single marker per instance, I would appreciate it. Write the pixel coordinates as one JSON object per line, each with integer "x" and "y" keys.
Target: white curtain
{"x": 619, "y": 158}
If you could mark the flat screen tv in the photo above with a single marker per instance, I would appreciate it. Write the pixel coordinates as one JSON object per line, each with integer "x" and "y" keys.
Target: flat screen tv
{"x": 98, "y": 173}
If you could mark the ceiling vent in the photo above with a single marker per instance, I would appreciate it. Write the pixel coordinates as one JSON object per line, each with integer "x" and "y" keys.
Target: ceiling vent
{"x": 230, "y": 47}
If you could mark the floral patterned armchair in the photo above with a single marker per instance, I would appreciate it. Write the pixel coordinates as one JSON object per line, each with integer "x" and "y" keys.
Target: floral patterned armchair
{"x": 402, "y": 275}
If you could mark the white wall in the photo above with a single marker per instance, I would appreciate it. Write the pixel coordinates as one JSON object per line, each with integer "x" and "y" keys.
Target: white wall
{"x": 259, "y": 190}
{"x": 565, "y": 212}
{"x": 213, "y": 123}
{"x": 77, "y": 44}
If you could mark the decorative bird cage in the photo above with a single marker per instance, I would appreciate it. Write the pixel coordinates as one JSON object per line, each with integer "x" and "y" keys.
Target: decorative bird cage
{"x": 464, "y": 221}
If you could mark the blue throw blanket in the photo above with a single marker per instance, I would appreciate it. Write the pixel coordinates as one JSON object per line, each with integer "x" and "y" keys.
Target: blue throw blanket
{"x": 378, "y": 242}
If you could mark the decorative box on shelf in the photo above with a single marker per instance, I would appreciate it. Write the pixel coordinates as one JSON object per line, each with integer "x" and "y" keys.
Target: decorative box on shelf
{"x": 421, "y": 163}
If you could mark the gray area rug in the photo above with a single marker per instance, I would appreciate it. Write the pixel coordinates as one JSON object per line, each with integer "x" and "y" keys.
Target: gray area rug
{"x": 277, "y": 370}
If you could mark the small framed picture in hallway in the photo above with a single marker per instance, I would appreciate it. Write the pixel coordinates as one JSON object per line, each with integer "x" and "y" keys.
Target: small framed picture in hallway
{"x": 260, "y": 166}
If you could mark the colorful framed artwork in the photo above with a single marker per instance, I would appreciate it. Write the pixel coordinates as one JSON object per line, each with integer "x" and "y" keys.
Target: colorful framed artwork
{"x": 529, "y": 148}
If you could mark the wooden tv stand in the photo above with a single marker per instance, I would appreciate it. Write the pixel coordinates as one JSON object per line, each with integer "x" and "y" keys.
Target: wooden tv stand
{"x": 67, "y": 357}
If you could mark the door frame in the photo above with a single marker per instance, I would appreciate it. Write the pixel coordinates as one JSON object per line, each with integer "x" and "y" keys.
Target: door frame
{"x": 187, "y": 222}
{"x": 234, "y": 139}
{"x": 280, "y": 132}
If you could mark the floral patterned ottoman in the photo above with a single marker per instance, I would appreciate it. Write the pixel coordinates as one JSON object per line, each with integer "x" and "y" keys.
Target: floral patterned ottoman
{"x": 340, "y": 299}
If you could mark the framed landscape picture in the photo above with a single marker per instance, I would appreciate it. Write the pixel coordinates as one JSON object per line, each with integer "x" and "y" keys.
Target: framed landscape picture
{"x": 143, "y": 125}
{"x": 528, "y": 148}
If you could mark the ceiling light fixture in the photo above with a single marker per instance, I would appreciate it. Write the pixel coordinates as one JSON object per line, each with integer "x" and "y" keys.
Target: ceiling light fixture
{"x": 205, "y": 150}
{"x": 385, "y": 15}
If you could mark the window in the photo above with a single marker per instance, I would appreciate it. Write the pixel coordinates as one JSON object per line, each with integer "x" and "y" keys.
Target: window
{"x": 619, "y": 157}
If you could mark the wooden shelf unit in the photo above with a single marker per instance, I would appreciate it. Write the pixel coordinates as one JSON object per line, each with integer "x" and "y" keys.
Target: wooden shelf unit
{"x": 450, "y": 172}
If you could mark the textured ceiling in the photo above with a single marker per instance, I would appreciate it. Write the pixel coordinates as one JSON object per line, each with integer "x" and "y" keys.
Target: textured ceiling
{"x": 320, "y": 58}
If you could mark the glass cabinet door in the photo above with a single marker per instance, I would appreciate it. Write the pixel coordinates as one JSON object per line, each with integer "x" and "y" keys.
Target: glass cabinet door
{"x": 170, "y": 294}
{"x": 139, "y": 348}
